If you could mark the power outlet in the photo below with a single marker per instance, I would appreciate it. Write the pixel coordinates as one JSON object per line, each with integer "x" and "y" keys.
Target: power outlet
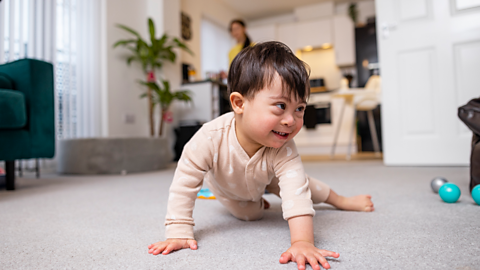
{"x": 129, "y": 118}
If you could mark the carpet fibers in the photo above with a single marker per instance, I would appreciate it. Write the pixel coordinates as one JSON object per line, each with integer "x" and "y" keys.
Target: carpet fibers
{"x": 107, "y": 222}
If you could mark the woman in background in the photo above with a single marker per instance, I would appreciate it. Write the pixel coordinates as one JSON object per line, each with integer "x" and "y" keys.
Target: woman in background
{"x": 238, "y": 31}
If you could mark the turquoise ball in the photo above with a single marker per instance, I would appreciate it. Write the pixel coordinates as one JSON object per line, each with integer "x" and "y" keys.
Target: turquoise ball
{"x": 476, "y": 194}
{"x": 449, "y": 192}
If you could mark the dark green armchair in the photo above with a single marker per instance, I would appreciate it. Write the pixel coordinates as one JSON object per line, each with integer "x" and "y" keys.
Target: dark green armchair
{"x": 27, "y": 121}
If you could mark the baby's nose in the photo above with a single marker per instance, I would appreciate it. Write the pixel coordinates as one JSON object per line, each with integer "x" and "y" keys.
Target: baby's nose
{"x": 288, "y": 120}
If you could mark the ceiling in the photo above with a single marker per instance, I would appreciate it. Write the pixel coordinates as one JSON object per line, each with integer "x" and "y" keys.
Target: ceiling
{"x": 257, "y": 9}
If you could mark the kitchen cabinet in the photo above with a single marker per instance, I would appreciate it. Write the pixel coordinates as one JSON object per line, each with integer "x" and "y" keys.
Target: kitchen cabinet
{"x": 314, "y": 33}
{"x": 344, "y": 40}
{"x": 338, "y": 31}
{"x": 287, "y": 33}
{"x": 209, "y": 100}
{"x": 262, "y": 33}
{"x": 319, "y": 141}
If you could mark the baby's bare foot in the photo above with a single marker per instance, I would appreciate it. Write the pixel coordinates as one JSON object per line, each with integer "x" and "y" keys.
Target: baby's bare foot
{"x": 266, "y": 204}
{"x": 356, "y": 203}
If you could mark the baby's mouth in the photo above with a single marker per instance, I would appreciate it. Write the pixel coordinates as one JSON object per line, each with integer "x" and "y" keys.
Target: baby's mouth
{"x": 282, "y": 134}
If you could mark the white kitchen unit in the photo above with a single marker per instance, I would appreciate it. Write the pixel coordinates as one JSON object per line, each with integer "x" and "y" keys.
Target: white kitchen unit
{"x": 314, "y": 11}
{"x": 344, "y": 40}
{"x": 262, "y": 33}
{"x": 204, "y": 106}
{"x": 319, "y": 141}
{"x": 314, "y": 33}
{"x": 287, "y": 33}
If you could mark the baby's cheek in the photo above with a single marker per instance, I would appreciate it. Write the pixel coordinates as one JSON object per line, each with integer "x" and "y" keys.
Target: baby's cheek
{"x": 298, "y": 127}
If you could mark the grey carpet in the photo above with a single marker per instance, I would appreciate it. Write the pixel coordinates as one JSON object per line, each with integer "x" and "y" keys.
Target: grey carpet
{"x": 106, "y": 222}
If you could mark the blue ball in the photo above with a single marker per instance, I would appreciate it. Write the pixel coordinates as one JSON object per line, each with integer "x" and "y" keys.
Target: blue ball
{"x": 476, "y": 194}
{"x": 449, "y": 192}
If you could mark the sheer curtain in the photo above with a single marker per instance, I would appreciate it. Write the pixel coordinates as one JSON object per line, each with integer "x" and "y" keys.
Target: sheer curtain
{"x": 65, "y": 33}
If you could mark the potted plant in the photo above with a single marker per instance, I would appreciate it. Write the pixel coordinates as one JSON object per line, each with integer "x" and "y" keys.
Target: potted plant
{"x": 151, "y": 55}
{"x": 164, "y": 97}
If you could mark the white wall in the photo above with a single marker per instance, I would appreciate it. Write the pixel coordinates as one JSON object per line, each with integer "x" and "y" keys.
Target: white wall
{"x": 215, "y": 11}
{"x": 172, "y": 71}
{"x": 123, "y": 91}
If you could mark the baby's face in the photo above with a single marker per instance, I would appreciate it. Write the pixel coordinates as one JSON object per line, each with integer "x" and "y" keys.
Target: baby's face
{"x": 270, "y": 118}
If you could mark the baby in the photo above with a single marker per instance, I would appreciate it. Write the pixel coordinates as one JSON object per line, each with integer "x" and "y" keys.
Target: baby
{"x": 241, "y": 154}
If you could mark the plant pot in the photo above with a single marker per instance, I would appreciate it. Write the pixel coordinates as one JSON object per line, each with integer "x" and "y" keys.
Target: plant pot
{"x": 113, "y": 155}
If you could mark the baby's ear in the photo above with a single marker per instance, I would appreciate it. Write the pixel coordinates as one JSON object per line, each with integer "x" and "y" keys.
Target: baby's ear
{"x": 237, "y": 101}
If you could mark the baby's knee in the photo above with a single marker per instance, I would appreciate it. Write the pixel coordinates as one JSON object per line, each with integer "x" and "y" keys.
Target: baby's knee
{"x": 248, "y": 211}
{"x": 248, "y": 216}
{"x": 319, "y": 190}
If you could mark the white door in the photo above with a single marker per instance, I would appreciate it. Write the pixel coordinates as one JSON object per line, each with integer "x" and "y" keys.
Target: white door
{"x": 429, "y": 53}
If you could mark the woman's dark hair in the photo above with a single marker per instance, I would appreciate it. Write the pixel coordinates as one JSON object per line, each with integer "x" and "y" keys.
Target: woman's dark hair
{"x": 255, "y": 68}
{"x": 242, "y": 23}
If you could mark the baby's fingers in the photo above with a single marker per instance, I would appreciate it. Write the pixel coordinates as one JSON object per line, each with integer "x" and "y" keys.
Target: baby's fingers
{"x": 192, "y": 244}
{"x": 172, "y": 247}
{"x": 156, "y": 249}
{"x": 313, "y": 261}
{"x": 300, "y": 260}
{"x": 322, "y": 261}
{"x": 327, "y": 253}
{"x": 286, "y": 257}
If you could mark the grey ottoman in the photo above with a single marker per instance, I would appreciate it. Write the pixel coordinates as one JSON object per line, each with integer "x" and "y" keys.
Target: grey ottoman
{"x": 113, "y": 155}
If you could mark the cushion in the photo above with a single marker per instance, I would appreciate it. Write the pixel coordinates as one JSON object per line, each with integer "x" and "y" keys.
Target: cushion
{"x": 14, "y": 114}
{"x": 5, "y": 81}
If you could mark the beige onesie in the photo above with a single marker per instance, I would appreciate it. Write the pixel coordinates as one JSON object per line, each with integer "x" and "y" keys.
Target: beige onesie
{"x": 215, "y": 156}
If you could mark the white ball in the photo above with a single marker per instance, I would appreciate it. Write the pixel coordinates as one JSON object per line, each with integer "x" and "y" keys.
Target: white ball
{"x": 437, "y": 182}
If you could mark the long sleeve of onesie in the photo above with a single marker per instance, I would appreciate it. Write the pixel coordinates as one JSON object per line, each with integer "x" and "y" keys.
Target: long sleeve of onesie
{"x": 293, "y": 183}
{"x": 195, "y": 161}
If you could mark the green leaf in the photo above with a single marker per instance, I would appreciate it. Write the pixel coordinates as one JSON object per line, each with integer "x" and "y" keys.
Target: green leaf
{"x": 128, "y": 29}
{"x": 124, "y": 42}
{"x": 130, "y": 59}
{"x": 151, "y": 29}
{"x": 152, "y": 85}
{"x": 168, "y": 54}
{"x": 182, "y": 46}
{"x": 163, "y": 40}
{"x": 184, "y": 95}
{"x": 166, "y": 84}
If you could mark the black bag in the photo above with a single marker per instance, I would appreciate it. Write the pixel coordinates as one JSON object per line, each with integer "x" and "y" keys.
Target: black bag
{"x": 470, "y": 115}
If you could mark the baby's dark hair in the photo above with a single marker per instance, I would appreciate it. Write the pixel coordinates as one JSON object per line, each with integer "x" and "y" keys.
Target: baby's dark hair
{"x": 255, "y": 67}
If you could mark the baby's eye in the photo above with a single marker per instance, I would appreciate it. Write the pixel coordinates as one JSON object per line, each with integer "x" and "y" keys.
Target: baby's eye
{"x": 281, "y": 106}
{"x": 300, "y": 109}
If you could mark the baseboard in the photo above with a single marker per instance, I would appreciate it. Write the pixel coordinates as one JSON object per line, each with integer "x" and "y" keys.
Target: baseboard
{"x": 324, "y": 150}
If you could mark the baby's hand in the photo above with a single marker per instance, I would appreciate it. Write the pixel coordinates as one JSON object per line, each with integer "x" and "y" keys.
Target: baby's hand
{"x": 170, "y": 245}
{"x": 303, "y": 251}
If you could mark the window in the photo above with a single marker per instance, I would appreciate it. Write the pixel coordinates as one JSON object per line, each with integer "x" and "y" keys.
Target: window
{"x": 64, "y": 33}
